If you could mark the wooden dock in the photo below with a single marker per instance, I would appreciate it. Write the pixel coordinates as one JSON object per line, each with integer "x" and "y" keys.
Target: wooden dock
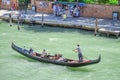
{"x": 109, "y": 31}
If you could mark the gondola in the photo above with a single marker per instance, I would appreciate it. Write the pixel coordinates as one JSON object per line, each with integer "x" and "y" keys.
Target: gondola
{"x": 47, "y": 60}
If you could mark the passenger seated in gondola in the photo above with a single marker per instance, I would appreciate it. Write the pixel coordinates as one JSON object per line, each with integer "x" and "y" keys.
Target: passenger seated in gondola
{"x": 55, "y": 57}
{"x": 60, "y": 58}
{"x": 30, "y": 51}
{"x": 73, "y": 61}
{"x": 37, "y": 54}
{"x": 44, "y": 53}
{"x": 34, "y": 53}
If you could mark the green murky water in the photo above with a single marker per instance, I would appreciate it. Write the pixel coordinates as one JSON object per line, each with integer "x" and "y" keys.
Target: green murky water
{"x": 14, "y": 66}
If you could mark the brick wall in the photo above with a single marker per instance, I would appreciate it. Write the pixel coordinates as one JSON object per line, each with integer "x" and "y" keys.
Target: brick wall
{"x": 47, "y": 8}
{"x": 90, "y": 10}
{"x": 100, "y": 11}
{"x": 0, "y": 3}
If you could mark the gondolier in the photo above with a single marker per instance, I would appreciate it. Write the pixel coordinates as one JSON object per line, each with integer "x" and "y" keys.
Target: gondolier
{"x": 78, "y": 49}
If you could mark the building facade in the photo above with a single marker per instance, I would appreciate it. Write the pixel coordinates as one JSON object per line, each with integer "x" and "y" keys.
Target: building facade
{"x": 90, "y": 10}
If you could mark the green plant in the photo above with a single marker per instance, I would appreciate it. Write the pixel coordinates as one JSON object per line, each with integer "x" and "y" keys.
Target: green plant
{"x": 111, "y": 2}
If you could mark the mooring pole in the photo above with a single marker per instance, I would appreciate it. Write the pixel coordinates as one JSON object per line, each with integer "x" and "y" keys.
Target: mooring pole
{"x": 42, "y": 20}
{"x": 42, "y": 7}
{"x": 18, "y": 22}
{"x": 96, "y": 27}
{"x": 10, "y": 18}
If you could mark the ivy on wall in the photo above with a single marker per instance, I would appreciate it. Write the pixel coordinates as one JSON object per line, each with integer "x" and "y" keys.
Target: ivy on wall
{"x": 111, "y": 2}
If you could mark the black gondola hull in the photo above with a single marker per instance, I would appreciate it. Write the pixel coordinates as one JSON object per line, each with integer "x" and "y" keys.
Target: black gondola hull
{"x": 25, "y": 53}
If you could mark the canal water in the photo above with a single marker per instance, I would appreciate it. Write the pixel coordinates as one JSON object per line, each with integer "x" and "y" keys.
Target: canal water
{"x": 14, "y": 66}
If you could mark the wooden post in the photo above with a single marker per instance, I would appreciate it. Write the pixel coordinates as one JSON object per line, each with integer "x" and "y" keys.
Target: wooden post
{"x": 18, "y": 22}
{"x": 10, "y": 18}
{"x": 96, "y": 27}
{"x": 42, "y": 20}
{"x": 42, "y": 6}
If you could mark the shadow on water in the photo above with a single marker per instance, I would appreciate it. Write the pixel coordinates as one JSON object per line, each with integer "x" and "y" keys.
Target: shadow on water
{"x": 73, "y": 69}
{"x": 80, "y": 69}
{"x": 38, "y": 28}
{"x": 25, "y": 58}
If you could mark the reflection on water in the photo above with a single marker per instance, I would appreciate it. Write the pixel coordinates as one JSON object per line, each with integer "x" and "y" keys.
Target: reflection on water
{"x": 23, "y": 57}
{"x": 81, "y": 69}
